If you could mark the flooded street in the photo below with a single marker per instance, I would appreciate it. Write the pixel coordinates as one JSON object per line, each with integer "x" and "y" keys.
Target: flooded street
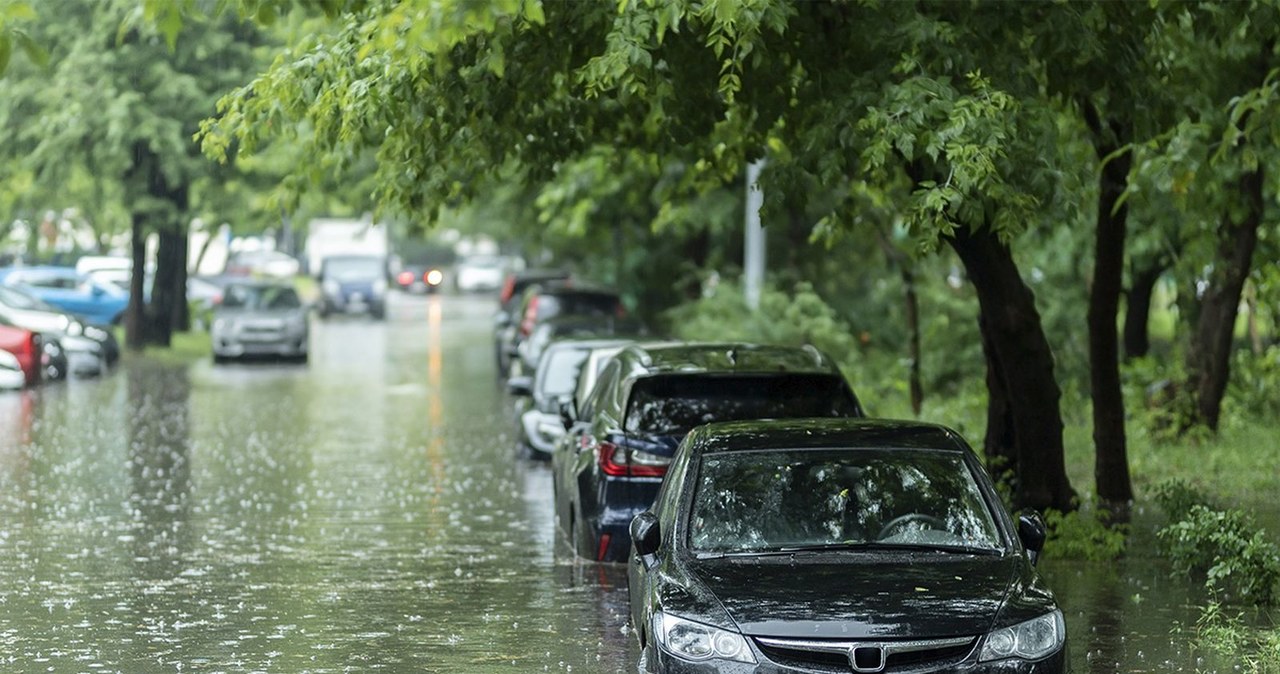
{"x": 361, "y": 513}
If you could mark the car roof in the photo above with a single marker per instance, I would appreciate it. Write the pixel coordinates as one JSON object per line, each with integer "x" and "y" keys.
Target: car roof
{"x": 826, "y": 433}
{"x": 568, "y": 287}
{"x": 723, "y": 357}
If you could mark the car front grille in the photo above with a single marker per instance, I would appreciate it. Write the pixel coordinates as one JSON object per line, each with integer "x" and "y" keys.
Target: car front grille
{"x": 890, "y": 657}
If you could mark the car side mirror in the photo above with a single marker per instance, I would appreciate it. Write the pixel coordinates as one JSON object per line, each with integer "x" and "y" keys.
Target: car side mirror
{"x": 520, "y": 386}
{"x": 646, "y": 536}
{"x": 1032, "y": 532}
{"x": 568, "y": 413}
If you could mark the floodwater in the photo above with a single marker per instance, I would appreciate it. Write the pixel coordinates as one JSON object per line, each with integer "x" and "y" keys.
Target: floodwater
{"x": 362, "y": 513}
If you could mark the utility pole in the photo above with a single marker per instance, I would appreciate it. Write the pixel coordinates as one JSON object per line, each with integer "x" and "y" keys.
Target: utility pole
{"x": 754, "y": 248}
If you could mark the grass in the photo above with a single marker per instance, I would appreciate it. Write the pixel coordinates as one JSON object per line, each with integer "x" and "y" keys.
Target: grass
{"x": 184, "y": 348}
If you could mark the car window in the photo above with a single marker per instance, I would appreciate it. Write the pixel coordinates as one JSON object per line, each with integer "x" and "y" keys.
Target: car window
{"x": 558, "y": 371}
{"x": 675, "y": 404}
{"x": 260, "y": 297}
{"x": 602, "y": 389}
{"x": 777, "y": 499}
{"x": 353, "y": 268}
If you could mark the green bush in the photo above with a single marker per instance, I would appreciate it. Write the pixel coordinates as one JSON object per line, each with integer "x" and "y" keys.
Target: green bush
{"x": 1177, "y": 497}
{"x": 1227, "y": 637}
{"x": 1228, "y": 548}
{"x": 1085, "y": 534}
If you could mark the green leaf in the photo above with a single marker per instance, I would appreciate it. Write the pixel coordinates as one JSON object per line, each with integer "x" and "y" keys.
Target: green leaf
{"x": 38, "y": 55}
{"x": 6, "y": 47}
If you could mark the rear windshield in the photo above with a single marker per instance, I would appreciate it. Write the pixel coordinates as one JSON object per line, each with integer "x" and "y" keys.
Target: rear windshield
{"x": 354, "y": 268}
{"x": 260, "y": 297}
{"x": 585, "y": 304}
{"x": 675, "y": 404}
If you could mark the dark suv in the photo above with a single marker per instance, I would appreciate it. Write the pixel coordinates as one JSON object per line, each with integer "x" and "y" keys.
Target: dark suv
{"x": 547, "y": 301}
{"x": 354, "y": 284}
{"x": 609, "y": 466}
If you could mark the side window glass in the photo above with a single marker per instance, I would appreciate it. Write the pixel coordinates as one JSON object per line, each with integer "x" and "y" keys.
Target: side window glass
{"x": 604, "y": 386}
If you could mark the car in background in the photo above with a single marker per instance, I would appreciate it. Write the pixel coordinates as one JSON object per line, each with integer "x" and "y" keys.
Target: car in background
{"x": 538, "y": 424}
{"x": 825, "y": 545}
{"x": 11, "y": 374}
{"x": 89, "y": 300}
{"x": 260, "y": 318}
{"x": 610, "y": 464}
{"x": 27, "y": 348}
{"x": 567, "y": 327}
{"x": 353, "y": 284}
{"x": 88, "y": 349}
{"x": 420, "y": 278}
{"x": 480, "y": 273}
{"x": 544, "y": 302}
{"x": 272, "y": 263}
{"x": 513, "y": 287}
{"x": 113, "y": 269}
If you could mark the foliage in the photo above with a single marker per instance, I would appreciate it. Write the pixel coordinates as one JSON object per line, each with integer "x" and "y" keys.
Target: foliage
{"x": 1229, "y": 548}
{"x": 1176, "y": 497}
{"x": 1254, "y": 384}
{"x": 1225, "y": 635}
{"x": 1087, "y": 534}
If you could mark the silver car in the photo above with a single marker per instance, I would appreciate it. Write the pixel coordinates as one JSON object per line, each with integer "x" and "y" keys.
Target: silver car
{"x": 259, "y": 318}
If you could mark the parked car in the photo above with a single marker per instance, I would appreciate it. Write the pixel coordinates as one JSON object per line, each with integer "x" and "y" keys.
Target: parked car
{"x": 480, "y": 273}
{"x": 838, "y": 545}
{"x": 574, "y": 326}
{"x": 11, "y": 374}
{"x": 89, "y": 348}
{"x": 645, "y": 401}
{"x": 513, "y": 287}
{"x": 259, "y": 318}
{"x": 420, "y": 278}
{"x": 273, "y": 263}
{"x": 91, "y": 301}
{"x": 27, "y": 347}
{"x": 354, "y": 284}
{"x": 544, "y": 302}
{"x": 538, "y": 424}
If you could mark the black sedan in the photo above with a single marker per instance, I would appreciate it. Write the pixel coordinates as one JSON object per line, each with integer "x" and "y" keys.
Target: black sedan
{"x": 837, "y": 546}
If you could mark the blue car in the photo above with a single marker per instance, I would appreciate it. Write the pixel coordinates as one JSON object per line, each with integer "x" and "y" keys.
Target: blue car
{"x": 354, "y": 284}
{"x": 608, "y": 467}
{"x": 91, "y": 301}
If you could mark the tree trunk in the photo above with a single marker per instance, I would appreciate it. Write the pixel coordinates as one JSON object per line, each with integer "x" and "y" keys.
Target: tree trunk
{"x": 1023, "y": 367}
{"x": 1137, "y": 315}
{"x": 135, "y": 314}
{"x": 1209, "y": 358}
{"x": 167, "y": 298}
{"x": 913, "y": 339}
{"x": 999, "y": 445}
{"x": 1111, "y": 462}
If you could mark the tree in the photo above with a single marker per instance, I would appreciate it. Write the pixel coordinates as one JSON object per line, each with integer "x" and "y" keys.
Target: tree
{"x": 118, "y": 103}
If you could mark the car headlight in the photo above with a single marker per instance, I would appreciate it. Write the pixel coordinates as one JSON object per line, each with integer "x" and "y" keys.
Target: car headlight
{"x": 74, "y": 327}
{"x": 694, "y": 641}
{"x": 1031, "y": 640}
{"x": 331, "y": 287}
{"x": 380, "y": 286}
{"x": 95, "y": 333}
{"x": 220, "y": 324}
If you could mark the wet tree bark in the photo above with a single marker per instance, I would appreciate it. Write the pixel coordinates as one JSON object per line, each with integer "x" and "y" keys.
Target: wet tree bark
{"x": 1137, "y": 315}
{"x": 911, "y": 307}
{"x": 135, "y": 313}
{"x": 1209, "y": 358}
{"x": 1022, "y": 368}
{"x": 999, "y": 444}
{"x": 1111, "y": 462}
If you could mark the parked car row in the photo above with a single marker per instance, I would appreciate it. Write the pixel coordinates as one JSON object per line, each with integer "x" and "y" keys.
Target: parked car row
{"x": 49, "y": 330}
{"x": 767, "y": 525}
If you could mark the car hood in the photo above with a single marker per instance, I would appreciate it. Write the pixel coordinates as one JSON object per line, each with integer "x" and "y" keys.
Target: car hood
{"x": 864, "y": 595}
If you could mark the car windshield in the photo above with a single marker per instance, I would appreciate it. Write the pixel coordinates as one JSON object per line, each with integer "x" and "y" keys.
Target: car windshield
{"x": 778, "y": 500}
{"x": 18, "y": 299}
{"x": 353, "y": 268}
{"x": 560, "y": 371}
{"x": 675, "y": 404}
{"x": 260, "y": 298}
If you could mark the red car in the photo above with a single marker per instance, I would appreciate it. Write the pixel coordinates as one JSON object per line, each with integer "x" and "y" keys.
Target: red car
{"x": 25, "y": 346}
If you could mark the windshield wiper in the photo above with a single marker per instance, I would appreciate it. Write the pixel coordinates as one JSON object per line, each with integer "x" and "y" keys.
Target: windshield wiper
{"x": 862, "y": 546}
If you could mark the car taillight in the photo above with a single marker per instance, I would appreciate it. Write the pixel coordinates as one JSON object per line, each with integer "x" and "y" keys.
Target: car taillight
{"x": 618, "y": 462}
{"x": 508, "y": 290}
{"x": 405, "y": 278}
{"x": 530, "y": 316}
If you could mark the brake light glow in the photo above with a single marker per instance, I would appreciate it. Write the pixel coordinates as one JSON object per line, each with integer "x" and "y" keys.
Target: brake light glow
{"x": 618, "y": 462}
{"x": 603, "y": 547}
{"x": 405, "y": 278}
{"x": 530, "y": 316}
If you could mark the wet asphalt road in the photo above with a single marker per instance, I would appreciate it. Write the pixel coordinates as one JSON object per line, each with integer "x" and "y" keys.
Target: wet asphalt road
{"x": 361, "y": 513}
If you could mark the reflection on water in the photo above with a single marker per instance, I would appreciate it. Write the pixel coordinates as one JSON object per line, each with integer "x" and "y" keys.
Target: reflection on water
{"x": 360, "y": 513}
